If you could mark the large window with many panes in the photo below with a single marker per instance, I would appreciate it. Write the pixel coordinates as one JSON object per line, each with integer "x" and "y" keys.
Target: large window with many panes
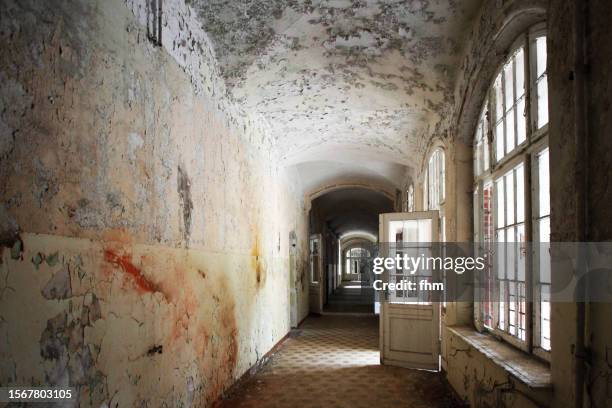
{"x": 512, "y": 198}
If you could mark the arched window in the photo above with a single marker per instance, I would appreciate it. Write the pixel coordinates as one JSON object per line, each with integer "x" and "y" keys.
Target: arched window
{"x": 511, "y": 199}
{"x": 434, "y": 187}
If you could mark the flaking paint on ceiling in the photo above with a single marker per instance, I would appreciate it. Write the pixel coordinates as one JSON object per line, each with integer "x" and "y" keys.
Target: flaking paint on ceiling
{"x": 361, "y": 78}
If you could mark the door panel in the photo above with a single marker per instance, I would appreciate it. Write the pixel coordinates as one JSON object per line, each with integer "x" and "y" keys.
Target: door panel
{"x": 409, "y": 321}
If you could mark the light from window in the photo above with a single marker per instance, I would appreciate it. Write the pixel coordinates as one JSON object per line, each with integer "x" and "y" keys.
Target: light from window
{"x": 436, "y": 185}
{"x": 510, "y": 234}
{"x": 356, "y": 258}
{"x": 541, "y": 82}
{"x": 543, "y": 234}
{"x": 509, "y": 94}
{"x": 481, "y": 146}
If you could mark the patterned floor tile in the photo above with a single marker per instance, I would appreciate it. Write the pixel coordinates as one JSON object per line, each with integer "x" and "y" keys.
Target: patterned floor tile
{"x": 333, "y": 361}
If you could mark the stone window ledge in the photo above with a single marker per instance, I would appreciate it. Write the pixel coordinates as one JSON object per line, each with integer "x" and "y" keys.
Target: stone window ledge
{"x": 524, "y": 367}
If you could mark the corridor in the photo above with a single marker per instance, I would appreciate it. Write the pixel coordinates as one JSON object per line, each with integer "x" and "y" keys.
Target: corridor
{"x": 333, "y": 362}
{"x": 188, "y": 187}
{"x": 351, "y": 297}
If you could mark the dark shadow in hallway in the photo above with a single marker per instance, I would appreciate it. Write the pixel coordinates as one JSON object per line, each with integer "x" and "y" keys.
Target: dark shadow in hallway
{"x": 333, "y": 361}
{"x": 351, "y": 297}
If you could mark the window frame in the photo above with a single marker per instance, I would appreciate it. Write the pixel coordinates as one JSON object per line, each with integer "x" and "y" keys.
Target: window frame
{"x": 539, "y": 146}
{"x": 436, "y": 161}
{"x": 525, "y": 153}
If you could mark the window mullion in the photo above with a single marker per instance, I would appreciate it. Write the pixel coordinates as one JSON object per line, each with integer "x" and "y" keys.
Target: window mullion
{"x": 530, "y": 279}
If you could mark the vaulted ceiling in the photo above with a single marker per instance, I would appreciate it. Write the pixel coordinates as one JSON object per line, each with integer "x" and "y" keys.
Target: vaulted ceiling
{"x": 346, "y": 86}
{"x": 352, "y": 210}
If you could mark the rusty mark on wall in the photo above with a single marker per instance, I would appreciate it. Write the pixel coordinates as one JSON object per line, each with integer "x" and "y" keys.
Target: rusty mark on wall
{"x": 124, "y": 262}
{"x": 257, "y": 264}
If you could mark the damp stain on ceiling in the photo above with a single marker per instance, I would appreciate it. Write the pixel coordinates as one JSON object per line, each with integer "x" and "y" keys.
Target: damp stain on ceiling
{"x": 361, "y": 78}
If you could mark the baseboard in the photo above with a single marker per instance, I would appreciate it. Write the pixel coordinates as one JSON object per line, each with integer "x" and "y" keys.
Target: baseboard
{"x": 254, "y": 369}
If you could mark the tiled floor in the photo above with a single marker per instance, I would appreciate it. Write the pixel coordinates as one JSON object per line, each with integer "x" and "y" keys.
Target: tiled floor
{"x": 333, "y": 361}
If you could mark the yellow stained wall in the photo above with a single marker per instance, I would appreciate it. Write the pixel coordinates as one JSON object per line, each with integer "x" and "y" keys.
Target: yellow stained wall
{"x": 145, "y": 224}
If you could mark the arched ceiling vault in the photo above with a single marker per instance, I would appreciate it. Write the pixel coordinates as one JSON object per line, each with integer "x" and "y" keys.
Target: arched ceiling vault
{"x": 352, "y": 210}
{"x": 350, "y": 85}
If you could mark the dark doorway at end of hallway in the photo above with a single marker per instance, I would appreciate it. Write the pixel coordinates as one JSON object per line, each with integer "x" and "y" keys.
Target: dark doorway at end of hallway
{"x": 351, "y": 297}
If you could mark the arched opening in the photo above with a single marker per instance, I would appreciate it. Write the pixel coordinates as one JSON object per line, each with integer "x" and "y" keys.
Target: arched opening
{"x": 343, "y": 230}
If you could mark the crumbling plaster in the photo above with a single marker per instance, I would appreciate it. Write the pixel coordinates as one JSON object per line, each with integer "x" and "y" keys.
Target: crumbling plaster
{"x": 369, "y": 79}
{"x": 145, "y": 222}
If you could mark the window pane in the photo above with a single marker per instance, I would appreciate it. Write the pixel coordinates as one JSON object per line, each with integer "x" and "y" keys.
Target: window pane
{"x": 499, "y": 141}
{"x": 511, "y": 253}
{"x": 499, "y": 110}
{"x": 542, "y": 101}
{"x": 500, "y": 254}
{"x": 521, "y": 255}
{"x": 522, "y": 309}
{"x": 499, "y": 200}
{"x": 520, "y": 73}
{"x": 442, "y": 171}
{"x": 520, "y": 193}
{"x": 543, "y": 184}
{"x": 541, "y": 56}
{"x": 545, "y": 317}
{"x": 512, "y": 308}
{"x": 508, "y": 85}
{"x": 543, "y": 226}
{"x": 510, "y": 130}
{"x": 502, "y": 306}
{"x": 485, "y": 145}
{"x": 521, "y": 123}
{"x": 509, "y": 179}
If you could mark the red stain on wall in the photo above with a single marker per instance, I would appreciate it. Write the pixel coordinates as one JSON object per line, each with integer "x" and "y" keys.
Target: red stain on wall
{"x": 125, "y": 263}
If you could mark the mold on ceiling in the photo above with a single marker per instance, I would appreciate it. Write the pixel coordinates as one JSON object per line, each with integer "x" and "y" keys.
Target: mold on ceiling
{"x": 359, "y": 78}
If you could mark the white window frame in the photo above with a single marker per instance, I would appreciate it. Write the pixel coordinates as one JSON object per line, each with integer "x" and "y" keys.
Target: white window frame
{"x": 434, "y": 187}
{"x": 525, "y": 153}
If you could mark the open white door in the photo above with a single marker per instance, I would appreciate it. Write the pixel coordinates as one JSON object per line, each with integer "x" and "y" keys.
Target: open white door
{"x": 409, "y": 319}
{"x": 317, "y": 278}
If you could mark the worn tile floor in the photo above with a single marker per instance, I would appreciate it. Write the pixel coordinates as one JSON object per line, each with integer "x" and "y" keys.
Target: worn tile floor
{"x": 333, "y": 361}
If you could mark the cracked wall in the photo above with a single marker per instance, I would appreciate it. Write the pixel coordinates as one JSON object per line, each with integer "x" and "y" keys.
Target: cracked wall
{"x": 144, "y": 221}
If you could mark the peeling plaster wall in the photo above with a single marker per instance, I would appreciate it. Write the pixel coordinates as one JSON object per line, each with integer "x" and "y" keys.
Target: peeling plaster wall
{"x": 484, "y": 384}
{"x": 599, "y": 94}
{"x": 580, "y": 145}
{"x": 144, "y": 223}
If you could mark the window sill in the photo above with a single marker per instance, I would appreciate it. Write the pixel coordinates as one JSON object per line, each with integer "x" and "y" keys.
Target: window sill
{"x": 524, "y": 367}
